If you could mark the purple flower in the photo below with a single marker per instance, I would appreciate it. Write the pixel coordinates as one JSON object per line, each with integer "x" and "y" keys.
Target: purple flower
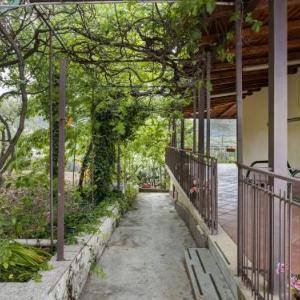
{"x": 280, "y": 268}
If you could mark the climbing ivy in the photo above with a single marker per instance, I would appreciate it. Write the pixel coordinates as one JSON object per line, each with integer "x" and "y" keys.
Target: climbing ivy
{"x": 115, "y": 119}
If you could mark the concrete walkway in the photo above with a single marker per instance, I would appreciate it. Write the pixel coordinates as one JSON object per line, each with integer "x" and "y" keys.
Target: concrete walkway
{"x": 145, "y": 257}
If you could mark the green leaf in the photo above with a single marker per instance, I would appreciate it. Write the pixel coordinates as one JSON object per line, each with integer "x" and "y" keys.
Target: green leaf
{"x": 256, "y": 26}
{"x": 196, "y": 34}
{"x": 248, "y": 19}
{"x": 234, "y": 17}
{"x": 229, "y": 36}
{"x": 210, "y": 6}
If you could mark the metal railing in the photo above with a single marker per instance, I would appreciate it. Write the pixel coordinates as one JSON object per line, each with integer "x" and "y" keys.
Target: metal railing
{"x": 197, "y": 176}
{"x": 268, "y": 232}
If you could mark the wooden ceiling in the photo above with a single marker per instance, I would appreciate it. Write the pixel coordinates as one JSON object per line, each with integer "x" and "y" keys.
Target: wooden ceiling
{"x": 255, "y": 54}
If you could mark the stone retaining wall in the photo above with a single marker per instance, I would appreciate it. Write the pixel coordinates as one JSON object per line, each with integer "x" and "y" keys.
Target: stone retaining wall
{"x": 67, "y": 278}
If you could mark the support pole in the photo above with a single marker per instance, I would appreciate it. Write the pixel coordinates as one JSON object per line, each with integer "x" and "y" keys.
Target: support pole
{"x": 119, "y": 166}
{"x": 201, "y": 101}
{"x": 74, "y": 149}
{"x": 278, "y": 101}
{"x": 278, "y": 136}
{"x": 239, "y": 81}
{"x": 170, "y": 132}
{"x": 208, "y": 71}
{"x": 50, "y": 111}
{"x": 174, "y": 133}
{"x": 182, "y": 131}
{"x": 194, "y": 120}
{"x": 93, "y": 109}
{"x": 239, "y": 121}
{"x": 61, "y": 160}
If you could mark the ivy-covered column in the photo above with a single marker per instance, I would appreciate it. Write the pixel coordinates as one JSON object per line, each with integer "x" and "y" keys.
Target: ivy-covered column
{"x": 104, "y": 152}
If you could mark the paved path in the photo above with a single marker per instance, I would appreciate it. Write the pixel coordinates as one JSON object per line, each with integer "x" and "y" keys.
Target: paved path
{"x": 145, "y": 257}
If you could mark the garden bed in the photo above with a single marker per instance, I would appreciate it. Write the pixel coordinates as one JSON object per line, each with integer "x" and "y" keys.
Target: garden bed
{"x": 87, "y": 230}
{"x": 66, "y": 278}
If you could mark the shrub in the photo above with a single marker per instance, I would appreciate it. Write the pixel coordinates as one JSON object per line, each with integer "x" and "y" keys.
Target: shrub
{"x": 21, "y": 263}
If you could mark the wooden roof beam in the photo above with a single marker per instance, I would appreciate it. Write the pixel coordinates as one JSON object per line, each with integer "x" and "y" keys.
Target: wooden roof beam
{"x": 261, "y": 50}
{"x": 251, "y": 70}
{"x": 227, "y": 110}
{"x": 251, "y": 82}
{"x": 293, "y": 58}
{"x": 231, "y": 89}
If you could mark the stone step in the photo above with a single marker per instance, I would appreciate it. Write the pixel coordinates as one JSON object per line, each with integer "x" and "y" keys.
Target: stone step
{"x": 207, "y": 280}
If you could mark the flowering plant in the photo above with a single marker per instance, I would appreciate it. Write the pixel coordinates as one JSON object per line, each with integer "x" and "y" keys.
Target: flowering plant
{"x": 194, "y": 188}
{"x": 295, "y": 285}
{"x": 294, "y": 280}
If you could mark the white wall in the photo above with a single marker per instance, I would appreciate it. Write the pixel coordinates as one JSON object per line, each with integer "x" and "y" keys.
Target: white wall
{"x": 255, "y": 130}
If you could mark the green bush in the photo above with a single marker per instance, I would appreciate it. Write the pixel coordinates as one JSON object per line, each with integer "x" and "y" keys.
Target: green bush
{"x": 24, "y": 207}
{"x": 128, "y": 199}
{"x": 85, "y": 219}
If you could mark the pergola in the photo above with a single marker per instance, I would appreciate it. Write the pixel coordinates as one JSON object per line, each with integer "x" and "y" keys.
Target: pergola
{"x": 263, "y": 58}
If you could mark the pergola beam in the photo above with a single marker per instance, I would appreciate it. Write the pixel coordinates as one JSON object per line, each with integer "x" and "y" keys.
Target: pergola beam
{"x": 66, "y": 2}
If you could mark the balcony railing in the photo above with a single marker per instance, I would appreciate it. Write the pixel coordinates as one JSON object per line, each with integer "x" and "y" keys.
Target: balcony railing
{"x": 268, "y": 232}
{"x": 197, "y": 176}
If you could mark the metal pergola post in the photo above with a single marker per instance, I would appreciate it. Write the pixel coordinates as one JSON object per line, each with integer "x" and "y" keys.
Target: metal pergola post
{"x": 201, "y": 101}
{"x": 174, "y": 133}
{"x": 278, "y": 136}
{"x": 61, "y": 160}
{"x": 182, "y": 133}
{"x": 208, "y": 71}
{"x": 239, "y": 119}
{"x": 119, "y": 165}
{"x": 170, "y": 131}
{"x": 278, "y": 96}
{"x": 194, "y": 120}
{"x": 50, "y": 113}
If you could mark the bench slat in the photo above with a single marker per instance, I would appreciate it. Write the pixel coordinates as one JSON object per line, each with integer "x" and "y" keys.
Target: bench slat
{"x": 206, "y": 276}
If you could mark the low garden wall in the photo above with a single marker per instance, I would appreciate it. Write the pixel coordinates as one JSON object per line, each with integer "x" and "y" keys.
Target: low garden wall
{"x": 67, "y": 278}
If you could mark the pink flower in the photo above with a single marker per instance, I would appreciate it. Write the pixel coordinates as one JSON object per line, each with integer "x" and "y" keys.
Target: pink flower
{"x": 295, "y": 283}
{"x": 280, "y": 268}
{"x": 193, "y": 189}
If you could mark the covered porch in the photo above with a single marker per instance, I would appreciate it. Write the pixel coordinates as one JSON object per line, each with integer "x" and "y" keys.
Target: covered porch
{"x": 255, "y": 202}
